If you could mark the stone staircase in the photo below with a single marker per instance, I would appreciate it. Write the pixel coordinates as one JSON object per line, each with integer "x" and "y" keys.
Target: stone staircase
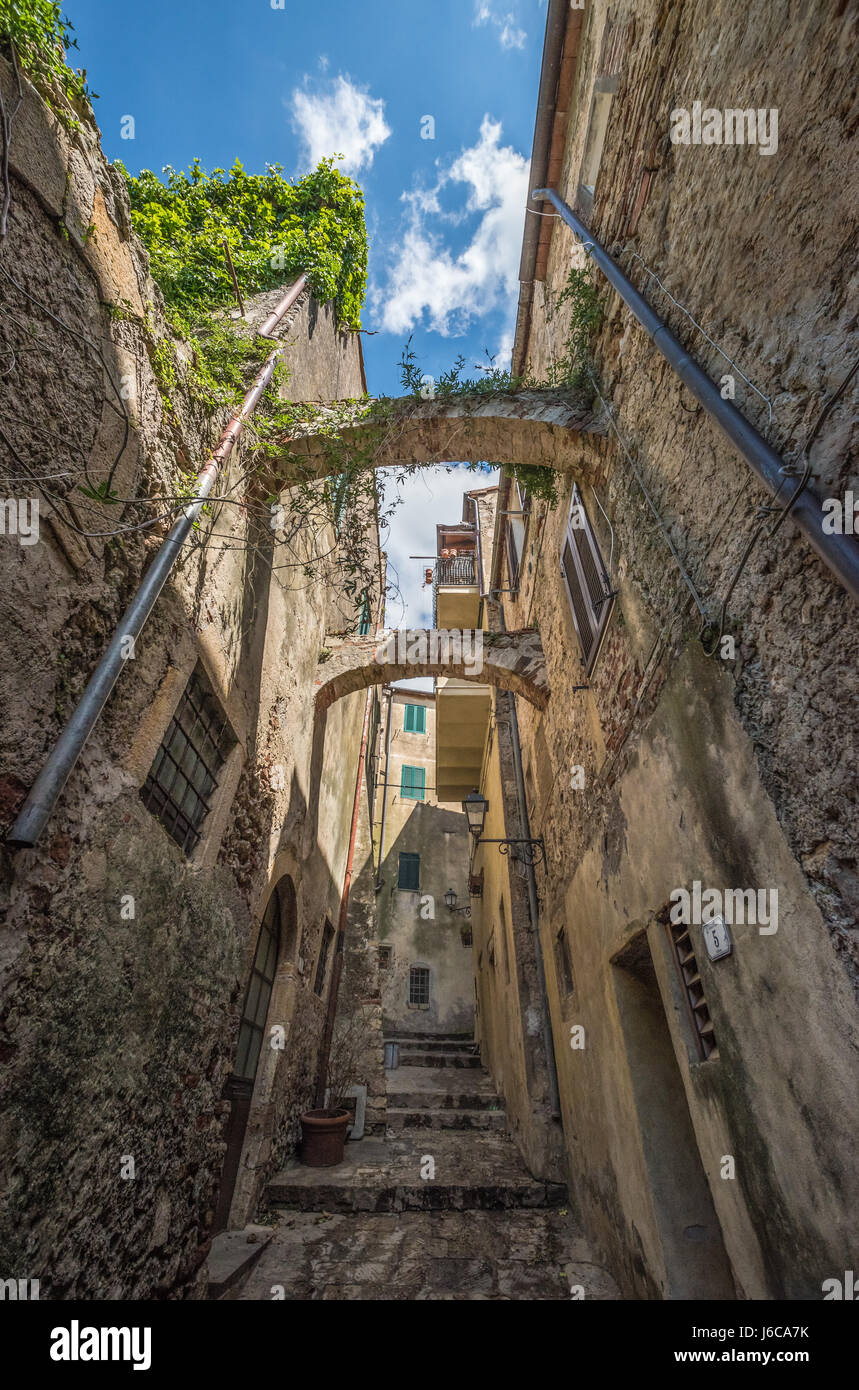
{"x": 443, "y": 1207}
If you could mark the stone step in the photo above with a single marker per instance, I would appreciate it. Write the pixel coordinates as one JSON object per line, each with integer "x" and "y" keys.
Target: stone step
{"x": 441, "y": 1059}
{"x": 444, "y": 1100}
{"x": 353, "y": 1197}
{"x": 420, "y": 1118}
{"x": 411, "y": 1045}
{"x": 232, "y": 1257}
{"x": 462, "y": 1039}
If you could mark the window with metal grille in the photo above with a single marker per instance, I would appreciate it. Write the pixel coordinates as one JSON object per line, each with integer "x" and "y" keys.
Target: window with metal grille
{"x": 684, "y": 954}
{"x": 419, "y": 986}
{"x": 564, "y": 963}
{"x": 258, "y": 992}
{"x": 415, "y": 719}
{"x": 409, "y": 872}
{"x": 322, "y": 961}
{"x": 586, "y": 579}
{"x": 184, "y": 776}
{"x": 413, "y": 781}
{"x": 385, "y": 957}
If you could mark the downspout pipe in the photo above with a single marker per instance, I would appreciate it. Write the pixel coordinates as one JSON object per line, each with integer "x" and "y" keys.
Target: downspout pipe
{"x": 337, "y": 966}
{"x": 42, "y": 797}
{"x": 385, "y": 787}
{"x": 839, "y": 553}
{"x": 533, "y": 905}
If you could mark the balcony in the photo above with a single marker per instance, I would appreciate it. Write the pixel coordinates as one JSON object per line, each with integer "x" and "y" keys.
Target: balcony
{"x": 456, "y": 569}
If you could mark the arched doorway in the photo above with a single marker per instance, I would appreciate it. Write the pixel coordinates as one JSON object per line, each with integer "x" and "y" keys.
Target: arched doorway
{"x": 276, "y": 941}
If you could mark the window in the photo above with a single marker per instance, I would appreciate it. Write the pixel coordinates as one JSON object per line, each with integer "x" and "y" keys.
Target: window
{"x": 322, "y": 962}
{"x": 419, "y": 985}
{"x": 409, "y": 872}
{"x": 258, "y": 993}
{"x": 415, "y": 719}
{"x": 566, "y": 984}
{"x": 587, "y": 582}
{"x": 385, "y": 957}
{"x": 684, "y": 954}
{"x": 515, "y": 533}
{"x": 181, "y": 782}
{"x": 604, "y": 90}
{"x": 413, "y": 783}
{"x": 364, "y": 622}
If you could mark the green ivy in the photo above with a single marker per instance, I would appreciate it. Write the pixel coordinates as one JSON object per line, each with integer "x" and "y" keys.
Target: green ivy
{"x": 274, "y": 228}
{"x": 41, "y": 35}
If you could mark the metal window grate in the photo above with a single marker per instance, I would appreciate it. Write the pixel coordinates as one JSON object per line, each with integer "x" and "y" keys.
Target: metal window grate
{"x": 385, "y": 957}
{"x": 258, "y": 993}
{"x": 409, "y": 872}
{"x": 322, "y": 961}
{"x": 419, "y": 985}
{"x": 184, "y": 775}
{"x": 684, "y": 954}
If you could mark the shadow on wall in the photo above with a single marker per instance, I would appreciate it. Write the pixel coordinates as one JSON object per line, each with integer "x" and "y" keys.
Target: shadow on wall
{"x": 427, "y": 971}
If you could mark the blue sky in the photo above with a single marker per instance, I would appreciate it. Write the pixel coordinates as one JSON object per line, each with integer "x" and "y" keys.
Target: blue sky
{"x": 221, "y": 79}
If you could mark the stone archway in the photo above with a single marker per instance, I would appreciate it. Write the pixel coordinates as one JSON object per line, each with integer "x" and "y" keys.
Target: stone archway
{"x": 510, "y": 660}
{"x": 549, "y": 428}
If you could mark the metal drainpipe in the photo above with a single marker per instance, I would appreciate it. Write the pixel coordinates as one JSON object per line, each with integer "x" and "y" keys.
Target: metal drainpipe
{"x": 533, "y": 903}
{"x": 839, "y": 553}
{"x": 337, "y": 967}
{"x": 385, "y": 788}
{"x": 42, "y": 797}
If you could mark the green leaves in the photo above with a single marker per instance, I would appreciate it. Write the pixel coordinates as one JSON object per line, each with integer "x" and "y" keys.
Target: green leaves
{"x": 275, "y": 228}
{"x": 41, "y": 37}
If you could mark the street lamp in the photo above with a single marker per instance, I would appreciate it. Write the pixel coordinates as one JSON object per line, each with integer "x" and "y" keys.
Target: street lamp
{"x": 475, "y": 807}
{"x": 450, "y": 903}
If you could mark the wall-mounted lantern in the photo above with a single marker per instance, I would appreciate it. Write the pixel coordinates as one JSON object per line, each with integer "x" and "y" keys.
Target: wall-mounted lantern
{"x": 450, "y": 903}
{"x": 475, "y": 807}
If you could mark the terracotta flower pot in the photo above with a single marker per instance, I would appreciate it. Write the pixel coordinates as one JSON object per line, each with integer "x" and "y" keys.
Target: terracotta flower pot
{"x": 323, "y": 1137}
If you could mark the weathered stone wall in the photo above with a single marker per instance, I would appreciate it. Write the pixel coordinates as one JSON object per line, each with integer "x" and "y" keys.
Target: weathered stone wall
{"x": 737, "y": 773}
{"x": 118, "y": 1031}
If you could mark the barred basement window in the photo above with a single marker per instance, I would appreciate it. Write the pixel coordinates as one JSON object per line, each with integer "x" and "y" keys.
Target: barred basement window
{"x": 419, "y": 979}
{"x": 184, "y": 776}
{"x": 409, "y": 873}
{"x": 322, "y": 962}
{"x": 587, "y": 581}
{"x": 684, "y": 954}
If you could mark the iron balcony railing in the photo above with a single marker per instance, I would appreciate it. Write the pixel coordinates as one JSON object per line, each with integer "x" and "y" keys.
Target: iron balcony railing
{"x": 455, "y": 569}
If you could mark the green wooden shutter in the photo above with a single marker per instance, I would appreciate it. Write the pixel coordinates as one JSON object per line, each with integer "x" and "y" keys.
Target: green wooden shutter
{"x": 413, "y": 783}
{"x": 409, "y": 872}
{"x": 415, "y": 719}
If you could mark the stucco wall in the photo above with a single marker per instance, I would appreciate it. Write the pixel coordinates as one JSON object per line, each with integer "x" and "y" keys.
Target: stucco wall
{"x": 420, "y": 931}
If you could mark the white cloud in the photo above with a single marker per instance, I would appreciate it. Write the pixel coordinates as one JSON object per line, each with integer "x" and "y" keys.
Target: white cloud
{"x": 425, "y": 278}
{"x": 344, "y": 120}
{"x": 509, "y": 33}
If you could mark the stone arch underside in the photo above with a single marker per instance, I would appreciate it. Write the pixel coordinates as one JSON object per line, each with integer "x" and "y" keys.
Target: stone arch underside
{"x": 509, "y": 660}
{"x": 551, "y": 428}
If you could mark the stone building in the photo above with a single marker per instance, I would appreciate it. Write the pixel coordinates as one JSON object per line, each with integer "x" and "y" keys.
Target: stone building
{"x": 662, "y": 870}
{"x": 425, "y": 960}
{"x": 168, "y": 945}
{"x": 706, "y": 1099}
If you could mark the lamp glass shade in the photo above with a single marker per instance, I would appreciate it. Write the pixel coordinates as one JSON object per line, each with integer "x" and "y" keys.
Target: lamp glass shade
{"x": 450, "y": 899}
{"x": 475, "y": 807}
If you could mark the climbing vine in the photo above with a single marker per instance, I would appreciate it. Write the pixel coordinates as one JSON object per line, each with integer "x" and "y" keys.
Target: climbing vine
{"x": 274, "y": 228}
{"x": 39, "y": 36}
